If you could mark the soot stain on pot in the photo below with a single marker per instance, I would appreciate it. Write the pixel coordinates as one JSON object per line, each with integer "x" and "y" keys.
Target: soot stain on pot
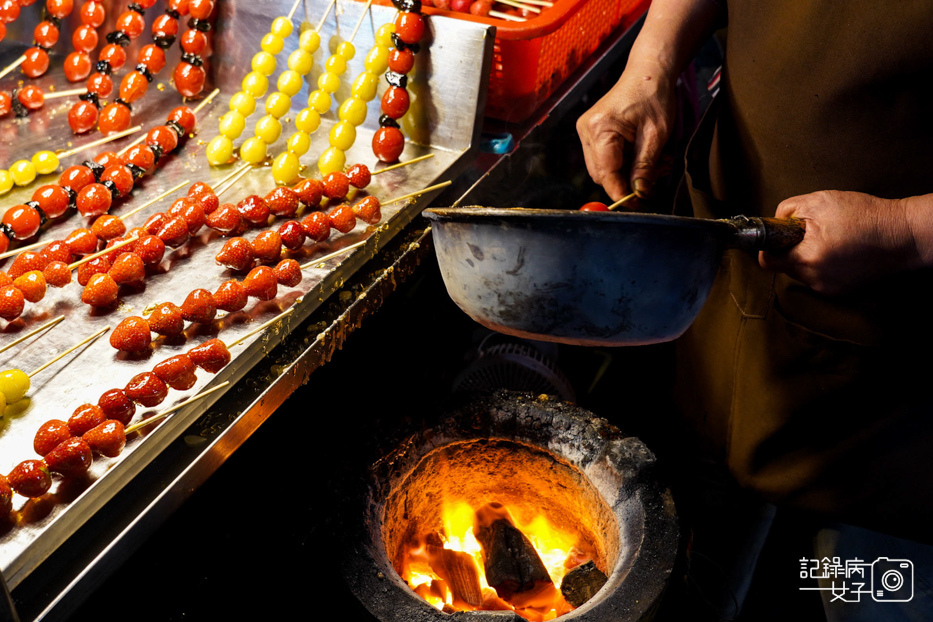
{"x": 519, "y": 262}
{"x": 477, "y": 252}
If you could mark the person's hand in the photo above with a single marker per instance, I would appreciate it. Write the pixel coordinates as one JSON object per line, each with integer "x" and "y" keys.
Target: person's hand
{"x": 851, "y": 239}
{"x": 624, "y": 132}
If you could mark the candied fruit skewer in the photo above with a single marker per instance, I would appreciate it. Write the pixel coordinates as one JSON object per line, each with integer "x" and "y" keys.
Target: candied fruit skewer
{"x": 189, "y": 75}
{"x": 168, "y": 411}
{"x": 255, "y": 84}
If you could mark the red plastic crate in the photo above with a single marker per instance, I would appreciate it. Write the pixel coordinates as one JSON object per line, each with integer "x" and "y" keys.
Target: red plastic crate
{"x": 532, "y": 58}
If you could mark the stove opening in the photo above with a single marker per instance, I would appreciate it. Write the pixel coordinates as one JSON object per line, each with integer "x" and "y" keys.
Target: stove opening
{"x": 495, "y": 524}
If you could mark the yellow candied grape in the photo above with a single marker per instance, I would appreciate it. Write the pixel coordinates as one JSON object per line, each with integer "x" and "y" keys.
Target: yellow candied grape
{"x": 23, "y": 172}
{"x": 45, "y": 162}
{"x": 2, "y": 403}
{"x": 353, "y": 110}
{"x": 219, "y": 150}
{"x": 6, "y": 181}
{"x": 278, "y": 104}
{"x": 281, "y": 27}
{"x": 336, "y": 64}
{"x": 310, "y": 41}
{"x": 285, "y": 168}
{"x": 253, "y": 150}
{"x": 13, "y": 384}
{"x": 232, "y": 124}
{"x": 384, "y": 35}
{"x": 320, "y": 101}
{"x": 377, "y": 60}
{"x": 244, "y": 103}
{"x": 272, "y": 44}
{"x": 364, "y": 87}
{"x": 290, "y": 82}
{"x": 300, "y": 61}
{"x": 268, "y": 129}
{"x": 255, "y": 84}
{"x": 331, "y": 160}
{"x": 346, "y": 50}
{"x": 308, "y": 120}
{"x": 264, "y": 63}
{"x": 299, "y": 143}
{"x": 328, "y": 82}
{"x": 342, "y": 135}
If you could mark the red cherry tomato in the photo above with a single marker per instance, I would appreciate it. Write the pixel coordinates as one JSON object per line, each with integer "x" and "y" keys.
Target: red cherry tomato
{"x": 388, "y": 143}
{"x": 77, "y": 66}
{"x": 594, "y": 206}
{"x": 114, "y": 118}
{"x": 100, "y": 83}
{"x": 188, "y": 79}
{"x": 82, "y": 117}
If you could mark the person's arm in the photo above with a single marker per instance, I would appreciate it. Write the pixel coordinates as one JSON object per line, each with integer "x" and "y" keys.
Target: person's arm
{"x": 623, "y": 133}
{"x": 853, "y": 238}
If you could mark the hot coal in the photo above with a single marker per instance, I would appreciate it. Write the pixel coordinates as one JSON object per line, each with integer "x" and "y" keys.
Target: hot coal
{"x": 582, "y": 583}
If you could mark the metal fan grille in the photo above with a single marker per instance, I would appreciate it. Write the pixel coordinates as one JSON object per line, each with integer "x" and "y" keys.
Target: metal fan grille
{"x": 516, "y": 367}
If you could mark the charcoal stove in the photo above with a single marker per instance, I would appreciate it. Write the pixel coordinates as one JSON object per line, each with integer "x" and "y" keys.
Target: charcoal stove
{"x": 537, "y": 450}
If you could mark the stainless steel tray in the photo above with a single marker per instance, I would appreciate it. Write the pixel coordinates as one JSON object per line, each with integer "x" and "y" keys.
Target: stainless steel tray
{"x": 449, "y": 81}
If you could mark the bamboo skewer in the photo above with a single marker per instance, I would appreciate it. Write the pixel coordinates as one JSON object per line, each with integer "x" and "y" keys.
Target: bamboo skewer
{"x": 262, "y": 327}
{"x": 519, "y": 5}
{"x": 71, "y": 349}
{"x": 99, "y": 141}
{"x": 179, "y": 406}
{"x": 330, "y": 7}
{"x": 291, "y": 13}
{"x": 506, "y": 16}
{"x": 205, "y": 101}
{"x": 343, "y": 250}
{"x": 623, "y": 200}
{"x": 68, "y": 93}
{"x": 418, "y": 193}
{"x": 360, "y": 21}
{"x": 45, "y": 326}
{"x": 401, "y": 164}
{"x": 234, "y": 178}
{"x": 16, "y": 63}
{"x": 152, "y": 201}
{"x": 93, "y": 256}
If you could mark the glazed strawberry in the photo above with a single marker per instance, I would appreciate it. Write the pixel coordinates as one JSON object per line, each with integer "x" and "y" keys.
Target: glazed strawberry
{"x": 12, "y": 302}
{"x": 211, "y": 356}
{"x": 342, "y": 219}
{"x": 107, "y": 227}
{"x": 101, "y": 291}
{"x": 57, "y": 274}
{"x": 146, "y": 389}
{"x": 309, "y": 192}
{"x": 100, "y": 265}
{"x": 254, "y": 209}
{"x": 208, "y": 201}
{"x": 225, "y": 218}
{"x": 50, "y": 435}
{"x": 288, "y": 273}
{"x": 167, "y": 319}
{"x": 155, "y": 223}
{"x": 57, "y": 251}
{"x": 230, "y": 296}
{"x": 85, "y": 417}
{"x": 261, "y": 283}
{"x": 81, "y": 242}
{"x": 359, "y": 175}
{"x": 127, "y": 248}
{"x": 283, "y": 202}
{"x": 293, "y": 236}
{"x": 236, "y": 254}
{"x": 71, "y": 457}
{"x": 177, "y": 372}
{"x": 336, "y": 185}
{"x": 131, "y": 335}
{"x": 316, "y": 226}
{"x": 174, "y": 232}
{"x": 116, "y": 405}
{"x": 199, "y": 307}
{"x": 30, "y": 478}
{"x": 109, "y": 438}
{"x": 368, "y": 210}
{"x": 32, "y": 284}
{"x": 128, "y": 268}
{"x": 150, "y": 249}
{"x": 267, "y": 246}
{"x": 195, "y": 216}
{"x": 27, "y": 262}
{"x": 6, "y": 497}
{"x": 5, "y": 279}
{"x": 199, "y": 189}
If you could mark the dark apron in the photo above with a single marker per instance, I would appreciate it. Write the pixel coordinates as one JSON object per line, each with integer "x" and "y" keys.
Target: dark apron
{"x": 813, "y": 401}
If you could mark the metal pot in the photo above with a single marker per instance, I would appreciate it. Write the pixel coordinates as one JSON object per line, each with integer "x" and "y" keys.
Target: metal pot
{"x": 590, "y": 278}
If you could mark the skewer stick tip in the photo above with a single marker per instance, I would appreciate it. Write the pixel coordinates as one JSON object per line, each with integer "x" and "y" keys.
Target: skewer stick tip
{"x": 206, "y": 101}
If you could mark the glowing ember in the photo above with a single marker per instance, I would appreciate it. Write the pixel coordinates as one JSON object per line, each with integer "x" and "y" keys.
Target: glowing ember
{"x": 526, "y": 556}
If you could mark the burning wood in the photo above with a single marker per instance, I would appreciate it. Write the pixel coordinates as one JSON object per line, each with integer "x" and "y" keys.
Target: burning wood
{"x": 582, "y": 583}
{"x": 512, "y": 565}
{"x": 459, "y": 571}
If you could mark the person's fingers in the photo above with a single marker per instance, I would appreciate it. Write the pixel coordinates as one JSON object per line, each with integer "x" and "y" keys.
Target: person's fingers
{"x": 603, "y": 153}
{"x": 648, "y": 145}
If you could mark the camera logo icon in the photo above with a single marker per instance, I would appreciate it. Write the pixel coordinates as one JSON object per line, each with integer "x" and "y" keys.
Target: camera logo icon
{"x": 892, "y": 580}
